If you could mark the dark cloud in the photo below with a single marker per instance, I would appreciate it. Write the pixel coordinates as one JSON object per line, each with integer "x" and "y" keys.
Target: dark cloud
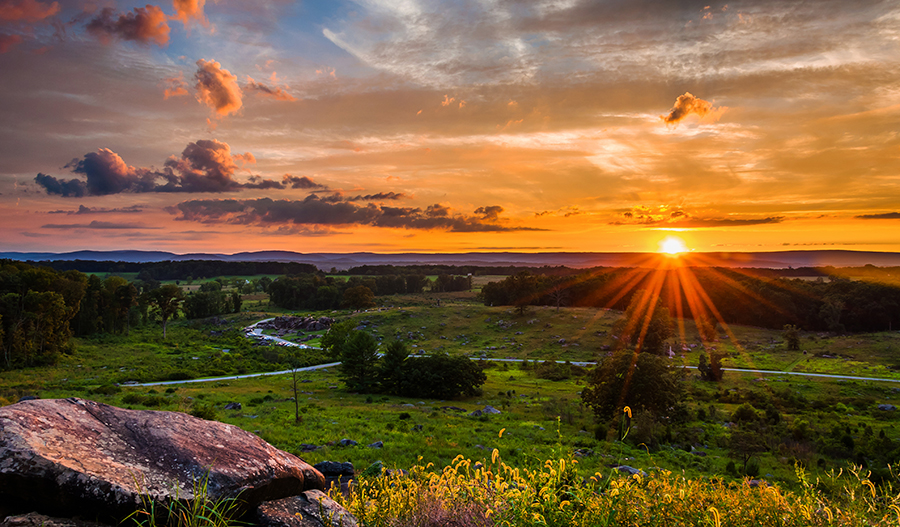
{"x": 883, "y": 216}
{"x": 217, "y": 88}
{"x": 489, "y": 213}
{"x": 686, "y": 105}
{"x": 379, "y": 196}
{"x": 145, "y": 25}
{"x": 98, "y": 210}
{"x": 206, "y": 165}
{"x": 100, "y": 225}
{"x": 279, "y": 94}
{"x": 300, "y": 182}
{"x": 727, "y": 222}
{"x": 318, "y": 211}
{"x": 67, "y": 188}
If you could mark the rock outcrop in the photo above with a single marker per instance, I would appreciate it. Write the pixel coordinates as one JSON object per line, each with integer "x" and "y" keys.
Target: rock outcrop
{"x": 313, "y": 508}
{"x": 73, "y": 456}
{"x": 297, "y": 323}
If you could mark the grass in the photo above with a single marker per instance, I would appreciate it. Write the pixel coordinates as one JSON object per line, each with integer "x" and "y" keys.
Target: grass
{"x": 542, "y": 419}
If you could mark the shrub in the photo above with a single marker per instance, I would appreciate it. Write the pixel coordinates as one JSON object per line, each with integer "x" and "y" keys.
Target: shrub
{"x": 204, "y": 411}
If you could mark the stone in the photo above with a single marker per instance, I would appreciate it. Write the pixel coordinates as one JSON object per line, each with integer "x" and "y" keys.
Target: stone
{"x": 630, "y": 470}
{"x": 312, "y": 508}
{"x": 491, "y": 410}
{"x": 27, "y": 398}
{"x": 233, "y": 406}
{"x": 887, "y": 407}
{"x": 347, "y": 442}
{"x": 377, "y": 444}
{"x": 34, "y": 519}
{"x": 333, "y": 468}
{"x": 74, "y": 456}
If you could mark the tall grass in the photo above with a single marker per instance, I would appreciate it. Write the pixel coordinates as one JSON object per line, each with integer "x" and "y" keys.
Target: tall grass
{"x": 490, "y": 492}
{"x": 201, "y": 511}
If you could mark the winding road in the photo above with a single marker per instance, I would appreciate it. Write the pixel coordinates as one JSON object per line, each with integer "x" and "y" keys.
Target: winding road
{"x": 255, "y": 332}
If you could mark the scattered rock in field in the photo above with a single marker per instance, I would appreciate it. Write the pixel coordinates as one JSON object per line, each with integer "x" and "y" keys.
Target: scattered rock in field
{"x": 233, "y": 406}
{"x": 313, "y": 508}
{"x": 417, "y": 428}
{"x": 374, "y": 470}
{"x": 887, "y": 407}
{"x": 476, "y": 413}
{"x": 377, "y": 444}
{"x": 453, "y": 408}
{"x": 491, "y": 410}
{"x": 333, "y": 468}
{"x": 630, "y": 470}
{"x": 583, "y": 452}
{"x": 307, "y": 447}
{"x": 347, "y": 442}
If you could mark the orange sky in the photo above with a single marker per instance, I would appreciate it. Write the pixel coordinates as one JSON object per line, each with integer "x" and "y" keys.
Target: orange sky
{"x": 399, "y": 126}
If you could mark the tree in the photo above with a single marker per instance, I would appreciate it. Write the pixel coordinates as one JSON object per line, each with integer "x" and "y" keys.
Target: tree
{"x": 333, "y": 340}
{"x": 744, "y": 443}
{"x": 559, "y": 295}
{"x": 643, "y": 381}
{"x": 390, "y": 371}
{"x": 236, "y": 302}
{"x": 441, "y": 377}
{"x": 791, "y": 335}
{"x": 646, "y": 324}
{"x": 359, "y": 355}
{"x": 711, "y": 369}
{"x": 359, "y": 297}
{"x": 166, "y": 300}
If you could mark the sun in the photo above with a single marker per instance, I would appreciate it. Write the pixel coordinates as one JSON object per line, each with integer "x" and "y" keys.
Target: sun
{"x": 672, "y": 245}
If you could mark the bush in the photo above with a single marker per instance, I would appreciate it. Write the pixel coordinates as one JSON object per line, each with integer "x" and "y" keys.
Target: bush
{"x": 204, "y": 411}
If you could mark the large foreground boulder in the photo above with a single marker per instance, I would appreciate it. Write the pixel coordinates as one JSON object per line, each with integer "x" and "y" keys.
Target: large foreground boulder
{"x": 79, "y": 457}
{"x": 313, "y": 508}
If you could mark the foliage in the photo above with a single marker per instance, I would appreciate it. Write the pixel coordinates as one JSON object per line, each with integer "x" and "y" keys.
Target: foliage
{"x": 333, "y": 341}
{"x": 441, "y": 377}
{"x": 791, "y": 336}
{"x": 639, "y": 380}
{"x": 358, "y": 297}
{"x": 490, "y": 492}
{"x": 359, "y": 355}
{"x": 391, "y": 367}
{"x": 646, "y": 324}
{"x": 711, "y": 369}
{"x": 200, "y": 511}
{"x": 166, "y": 301}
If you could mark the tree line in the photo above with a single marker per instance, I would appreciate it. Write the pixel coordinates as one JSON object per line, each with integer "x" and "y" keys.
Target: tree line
{"x": 838, "y": 304}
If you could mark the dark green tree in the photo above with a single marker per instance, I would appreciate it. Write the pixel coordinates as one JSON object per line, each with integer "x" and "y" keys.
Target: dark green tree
{"x": 359, "y": 297}
{"x": 646, "y": 324}
{"x": 791, "y": 335}
{"x": 390, "y": 370}
{"x": 166, "y": 301}
{"x": 711, "y": 369}
{"x": 642, "y": 381}
{"x": 333, "y": 340}
{"x": 359, "y": 357}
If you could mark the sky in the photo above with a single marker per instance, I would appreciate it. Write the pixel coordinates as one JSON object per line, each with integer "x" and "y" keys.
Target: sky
{"x": 449, "y": 126}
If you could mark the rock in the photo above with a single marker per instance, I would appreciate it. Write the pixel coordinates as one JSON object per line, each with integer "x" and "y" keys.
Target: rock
{"x": 347, "y": 442}
{"x": 313, "y": 508}
{"x": 887, "y": 407}
{"x": 64, "y": 456}
{"x": 377, "y": 444}
{"x": 476, "y": 413}
{"x": 233, "y": 406}
{"x": 630, "y": 470}
{"x": 307, "y": 447}
{"x": 491, "y": 410}
{"x": 333, "y": 468}
{"x": 453, "y": 408}
{"x": 34, "y": 519}
{"x": 27, "y": 398}
{"x": 374, "y": 470}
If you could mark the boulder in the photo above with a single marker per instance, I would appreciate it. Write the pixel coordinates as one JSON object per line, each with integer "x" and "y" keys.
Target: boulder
{"x": 313, "y": 508}
{"x": 233, "y": 406}
{"x": 34, "y": 519}
{"x": 333, "y": 468}
{"x": 887, "y": 407}
{"x": 73, "y": 456}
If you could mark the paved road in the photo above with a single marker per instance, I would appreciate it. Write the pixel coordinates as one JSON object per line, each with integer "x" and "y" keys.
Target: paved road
{"x": 257, "y": 333}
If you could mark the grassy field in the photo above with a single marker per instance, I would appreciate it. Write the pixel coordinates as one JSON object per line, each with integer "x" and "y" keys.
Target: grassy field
{"x": 541, "y": 418}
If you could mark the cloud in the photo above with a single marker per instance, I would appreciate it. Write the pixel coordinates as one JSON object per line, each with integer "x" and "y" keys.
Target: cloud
{"x": 686, "y": 105}
{"x": 883, "y": 216}
{"x": 101, "y": 225}
{"x": 188, "y": 11}
{"x": 489, "y": 213}
{"x": 26, "y": 10}
{"x": 206, "y": 165}
{"x": 145, "y": 25}
{"x": 727, "y": 222}
{"x": 7, "y": 42}
{"x": 663, "y": 216}
{"x": 217, "y": 88}
{"x": 175, "y": 86}
{"x": 317, "y": 211}
{"x": 300, "y": 182}
{"x": 266, "y": 91}
{"x": 379, "y": 196}
{"x": 98, "y": 210}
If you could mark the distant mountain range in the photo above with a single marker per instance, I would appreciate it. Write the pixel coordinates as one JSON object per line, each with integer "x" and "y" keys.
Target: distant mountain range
{"x": 341, "y": 261}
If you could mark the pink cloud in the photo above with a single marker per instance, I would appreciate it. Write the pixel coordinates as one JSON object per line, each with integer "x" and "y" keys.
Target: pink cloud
{"x": 218, "y": 88}
{"x": 26, "y": 10}
{"x": 145, "y": 25}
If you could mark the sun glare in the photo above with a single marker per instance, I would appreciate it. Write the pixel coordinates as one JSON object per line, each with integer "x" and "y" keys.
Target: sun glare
{"x": 672, "y": 245}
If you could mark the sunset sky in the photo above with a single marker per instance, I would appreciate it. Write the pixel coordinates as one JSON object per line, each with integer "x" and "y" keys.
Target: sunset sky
{"x": 469, "y": 125}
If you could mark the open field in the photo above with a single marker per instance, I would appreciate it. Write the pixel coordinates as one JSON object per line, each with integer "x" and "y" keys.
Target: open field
{"x": 541, "y": 417}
